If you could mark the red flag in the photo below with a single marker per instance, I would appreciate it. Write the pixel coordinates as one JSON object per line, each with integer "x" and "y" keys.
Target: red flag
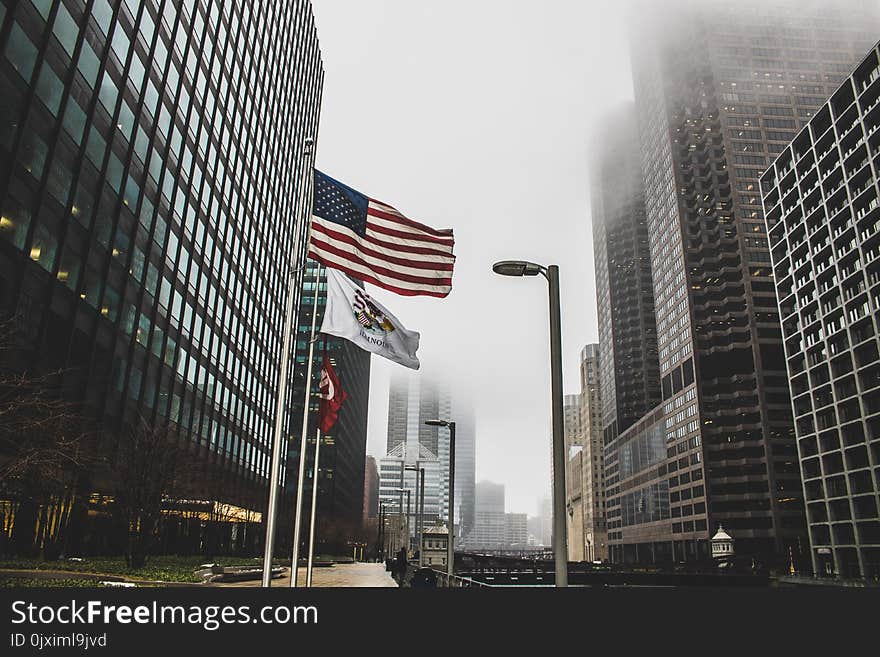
{"x": 332, "y": 395}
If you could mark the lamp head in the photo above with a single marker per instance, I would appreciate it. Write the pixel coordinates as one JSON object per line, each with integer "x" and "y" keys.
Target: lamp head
{"x": 516, "y": 268}
{"x": 437, "y": 423}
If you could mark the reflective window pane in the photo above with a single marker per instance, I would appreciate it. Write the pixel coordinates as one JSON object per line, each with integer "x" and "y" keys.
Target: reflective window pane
{"x": 14, "y": 222}
{"x": 20, "y": 52}
{"x": 50, "y": 89}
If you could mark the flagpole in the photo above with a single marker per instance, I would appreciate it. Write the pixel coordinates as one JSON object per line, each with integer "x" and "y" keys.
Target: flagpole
{"x": 314, "y": 504}
{"x": 278, "y": 443}
{"x": 303, "y": 434}
{"x": 315, "y": 471}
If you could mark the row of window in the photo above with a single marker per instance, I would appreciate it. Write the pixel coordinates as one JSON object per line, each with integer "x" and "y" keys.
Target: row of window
{"x": 195, "y": 147}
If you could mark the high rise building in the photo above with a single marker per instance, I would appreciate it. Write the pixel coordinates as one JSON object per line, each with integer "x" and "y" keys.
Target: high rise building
{"x": 573, "y": 475}
{"x": 820, "y": 201}
{"x": 574, "y": 503}
{"x": 343, "y": 449}
{"x": 413, "y": 399}
{"x": 534, "y": 527}
{"x": 153, "y": 200}
{"x": 629, "y": 369}
{"x": 720, "y": 87}
{"x": 592, "y": 456}
{"x": 516, "y": 531}
{"x": 490, "y": 521}
{"x": 584, "y": 481}
{"x": 465, "y": 465}
{"x": 371, "y": 489}
{"x": 393, "y": 476}
{"x": 545, "y": 521}
{"x": 571, "y": 421}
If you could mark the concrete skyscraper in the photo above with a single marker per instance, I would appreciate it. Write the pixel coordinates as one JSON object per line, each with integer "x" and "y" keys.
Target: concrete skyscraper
{"x": 516, "y": 531}
{"x": 371, "y": 489}
{"x": 490, "y": 523}
{"x": 592, "y": 456}
{"x": 585, "y": 485}
{"x": 718, "y": 86}
{"x": 822, "y": 207}
{"x": 572, "y": 418}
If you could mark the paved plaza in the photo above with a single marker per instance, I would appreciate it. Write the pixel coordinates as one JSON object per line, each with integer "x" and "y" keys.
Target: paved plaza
{"x": 343, "y": 575}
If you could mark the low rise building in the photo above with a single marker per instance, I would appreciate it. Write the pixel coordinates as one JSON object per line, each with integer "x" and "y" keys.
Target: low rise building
{"x": 436, "y": 540}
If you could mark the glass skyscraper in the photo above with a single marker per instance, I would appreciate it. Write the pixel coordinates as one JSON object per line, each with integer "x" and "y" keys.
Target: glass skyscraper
{"x": 343, "y": 450}
{"x": 153, "y": 186}
{"x": 412, "y": 400}
{"x": 630, "y": 376}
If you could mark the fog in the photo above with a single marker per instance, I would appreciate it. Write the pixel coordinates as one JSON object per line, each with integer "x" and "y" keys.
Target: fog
{"x": 476, "y": 116}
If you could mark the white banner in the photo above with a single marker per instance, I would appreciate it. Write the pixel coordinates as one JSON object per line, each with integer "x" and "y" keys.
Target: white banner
{"x": 352, "y": 314}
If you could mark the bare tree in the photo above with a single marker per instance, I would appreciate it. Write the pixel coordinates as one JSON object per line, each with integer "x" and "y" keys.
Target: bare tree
{"x": 149, "y": 463}
{"x": 43, "y": 450}
{"x": 40, "y": 435}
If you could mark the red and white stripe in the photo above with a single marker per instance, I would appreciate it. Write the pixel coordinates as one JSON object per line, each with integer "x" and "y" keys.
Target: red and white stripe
{"x": 397, "y": 253}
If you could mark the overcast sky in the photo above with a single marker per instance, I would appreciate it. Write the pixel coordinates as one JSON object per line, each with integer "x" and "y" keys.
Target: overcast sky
{"x": 475, "y": 115}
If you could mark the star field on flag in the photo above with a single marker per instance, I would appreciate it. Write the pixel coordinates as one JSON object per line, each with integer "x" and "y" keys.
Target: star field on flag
{"x": 373, "y": 242}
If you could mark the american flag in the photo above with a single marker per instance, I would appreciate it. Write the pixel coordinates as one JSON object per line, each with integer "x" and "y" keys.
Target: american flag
{"x": 372, "y": 242}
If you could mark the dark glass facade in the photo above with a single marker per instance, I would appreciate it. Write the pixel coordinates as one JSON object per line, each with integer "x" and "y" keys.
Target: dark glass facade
{"x": 153, "y": 185}
{"x": 342, "y": 457}
{"x": 629, "y": 370}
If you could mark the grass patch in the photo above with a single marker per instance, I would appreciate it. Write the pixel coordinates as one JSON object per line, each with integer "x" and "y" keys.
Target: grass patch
{"x": 161, "y": 568}
{"x": 47, "y": 583}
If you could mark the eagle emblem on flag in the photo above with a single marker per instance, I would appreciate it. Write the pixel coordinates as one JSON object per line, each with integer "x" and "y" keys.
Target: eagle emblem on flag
{"x": 351, "y": 314}
{"x": 369, "y": 315}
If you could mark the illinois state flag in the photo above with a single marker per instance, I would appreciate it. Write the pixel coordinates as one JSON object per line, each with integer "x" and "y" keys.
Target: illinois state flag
{"x": 352, "y": 314}
{"x": 332, "y": 395}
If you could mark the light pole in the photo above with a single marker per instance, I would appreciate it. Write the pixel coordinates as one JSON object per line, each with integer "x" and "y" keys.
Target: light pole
{"x": 380, "y": 547}
{"x": 450, "y": 541}
{"x": 551, "y": 273}
{"x": 394, "y": 527}
{"x": 420, "y": 505}
{"x": 407, "y": 491}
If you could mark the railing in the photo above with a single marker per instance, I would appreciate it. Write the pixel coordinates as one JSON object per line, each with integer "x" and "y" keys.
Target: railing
{"x": 414, "y": 577}
{"x": 444, "y": 580}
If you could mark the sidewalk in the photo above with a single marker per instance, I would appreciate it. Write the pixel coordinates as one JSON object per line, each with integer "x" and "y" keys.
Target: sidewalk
{"x": 343, "y": 575}
{"x": 346, "y": 575}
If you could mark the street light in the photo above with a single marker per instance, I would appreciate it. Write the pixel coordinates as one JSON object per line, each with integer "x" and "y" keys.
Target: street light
{"x": 420, "y": 505}
{"x": 388, "y": 534}
{"x": 551, "y": 273}
{"x": 407, "y": 491}
{"x": 518, "y": 268}
{"x": 450, "y": 549}
{"x": 380, "y": 539}
{"x": 391, "y": 537}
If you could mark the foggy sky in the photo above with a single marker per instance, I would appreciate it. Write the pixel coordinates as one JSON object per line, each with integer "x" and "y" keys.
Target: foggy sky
{"x": 476, "y": 115}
